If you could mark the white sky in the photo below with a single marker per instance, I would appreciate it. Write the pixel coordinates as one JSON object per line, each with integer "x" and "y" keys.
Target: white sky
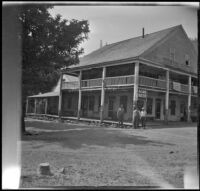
{"x": 115, "y": 23}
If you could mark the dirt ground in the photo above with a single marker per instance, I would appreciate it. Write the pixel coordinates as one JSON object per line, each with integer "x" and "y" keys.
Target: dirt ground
{"x": 107, "y": 156}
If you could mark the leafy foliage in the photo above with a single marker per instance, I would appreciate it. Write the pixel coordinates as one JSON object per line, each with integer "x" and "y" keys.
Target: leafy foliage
{"x": 48, "y": 45}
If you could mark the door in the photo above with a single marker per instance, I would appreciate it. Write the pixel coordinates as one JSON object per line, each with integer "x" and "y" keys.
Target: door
{"x": 158, "y": 108}
{"x": 111, "y": 101}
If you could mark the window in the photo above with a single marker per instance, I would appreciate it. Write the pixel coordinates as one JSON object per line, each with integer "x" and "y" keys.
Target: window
{"x": 187, "y": 60}
{"x": 91, "y": 103}
{"x": 149, "y": 105}
{"x": 173, "y": 107}
{"x": 172, "y": 55}
{"x": 123, "y": 101}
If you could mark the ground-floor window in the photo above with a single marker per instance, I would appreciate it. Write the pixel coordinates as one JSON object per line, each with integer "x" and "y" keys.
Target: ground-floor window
{"x": 149, "y": 105}
{"x": 173, "y": 107}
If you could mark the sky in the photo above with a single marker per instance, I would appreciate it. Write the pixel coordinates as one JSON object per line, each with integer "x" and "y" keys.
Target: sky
{"x": 115, "y": 23}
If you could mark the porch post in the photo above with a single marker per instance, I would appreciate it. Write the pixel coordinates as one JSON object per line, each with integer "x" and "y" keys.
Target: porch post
{"x": 102, "y": 94}
{"x": 189, "y": 99}
{"x": 60, "y": 98}
{"x": 35, "y": 109}
{"x": 79, "y": 97}
{"x": 167, "y": 97}
{"x": 46, "y": 105}
{"x": 136, "y": 84}
{"x": 26, "y": 105}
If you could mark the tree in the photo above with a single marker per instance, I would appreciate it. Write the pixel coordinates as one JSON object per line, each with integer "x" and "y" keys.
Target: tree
{"x": 48, "y": 45}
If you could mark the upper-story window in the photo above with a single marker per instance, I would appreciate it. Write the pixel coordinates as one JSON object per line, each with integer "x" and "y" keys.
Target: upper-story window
{"x": 172, "y": 55}
{"x": 187, "y": 60}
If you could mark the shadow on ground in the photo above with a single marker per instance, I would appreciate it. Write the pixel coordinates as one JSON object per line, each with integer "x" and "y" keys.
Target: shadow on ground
{"x": 101, "y": 137}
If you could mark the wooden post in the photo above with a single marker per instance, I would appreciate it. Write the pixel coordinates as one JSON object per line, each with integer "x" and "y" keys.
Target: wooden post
{"x": 60, "y": 98}
{"x": 79, "y": 97}
{"x": 136, "y": 84}
{"x": 167, "y": 98}
{"x": 35, "y": 111}
{"x": 46, "y": 106}
{"x": 26, "y": 105}
{"x": 189, "y": 99}
{"x": 102, "y": 94}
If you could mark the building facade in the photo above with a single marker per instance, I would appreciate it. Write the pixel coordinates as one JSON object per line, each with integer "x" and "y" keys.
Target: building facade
{"x": 157, "y": 71}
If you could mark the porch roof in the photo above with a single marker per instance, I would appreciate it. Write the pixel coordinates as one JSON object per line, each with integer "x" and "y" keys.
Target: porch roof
{"x": 49, "y": 94}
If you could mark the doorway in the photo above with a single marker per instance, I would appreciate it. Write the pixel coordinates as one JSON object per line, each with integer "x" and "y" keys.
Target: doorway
{"x": 158, "y": 109}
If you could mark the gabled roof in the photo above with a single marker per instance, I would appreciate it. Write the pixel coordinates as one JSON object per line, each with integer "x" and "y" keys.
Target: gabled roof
{"x": 129, "y": 48}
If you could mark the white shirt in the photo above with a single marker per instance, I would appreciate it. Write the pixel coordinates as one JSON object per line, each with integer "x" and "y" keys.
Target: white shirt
{"x": 143, "y": 113}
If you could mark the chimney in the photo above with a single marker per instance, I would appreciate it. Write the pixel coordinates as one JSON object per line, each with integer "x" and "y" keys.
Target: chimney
{"x": 142, "y": 32}
{"x": 101, "y": 44}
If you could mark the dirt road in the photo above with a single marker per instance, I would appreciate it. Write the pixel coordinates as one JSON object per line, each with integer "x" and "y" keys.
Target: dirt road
{"x": 98, "y": 156}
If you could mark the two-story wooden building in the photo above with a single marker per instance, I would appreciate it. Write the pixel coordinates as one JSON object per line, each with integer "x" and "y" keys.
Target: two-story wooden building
{"x": 157, "y": 71}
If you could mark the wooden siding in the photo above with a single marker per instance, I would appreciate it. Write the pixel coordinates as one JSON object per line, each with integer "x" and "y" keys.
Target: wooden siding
{"x": 160, "y": 53}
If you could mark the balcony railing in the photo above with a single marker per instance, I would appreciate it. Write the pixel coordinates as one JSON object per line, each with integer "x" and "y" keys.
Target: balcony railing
{"x": 119, "y": 80}
{"x": 184, "y": 88}
{"x": 70, "y": 85}
{"x": 129, "y": 80}
{"x": 176, "y": 86}
{"x": 91, "y": 83}
{"x": 151, "y": 82}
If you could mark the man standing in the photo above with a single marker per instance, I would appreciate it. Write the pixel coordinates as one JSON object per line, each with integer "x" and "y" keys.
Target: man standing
{"x": 120, "y": 115}
{"x": 143, "y": 117}
{"x": 136, "y": 117}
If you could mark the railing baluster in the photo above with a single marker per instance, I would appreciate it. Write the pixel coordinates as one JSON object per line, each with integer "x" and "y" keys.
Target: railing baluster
{"x": 126, "y": 80}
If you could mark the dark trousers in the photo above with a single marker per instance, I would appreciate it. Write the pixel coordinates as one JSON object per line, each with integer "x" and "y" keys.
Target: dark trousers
{"x": 143, "y": 121}
{"x": 136, "y": 122}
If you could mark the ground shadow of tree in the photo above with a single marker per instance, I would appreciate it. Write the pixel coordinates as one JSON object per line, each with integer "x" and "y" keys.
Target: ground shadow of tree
{"x": 100, "y": 137}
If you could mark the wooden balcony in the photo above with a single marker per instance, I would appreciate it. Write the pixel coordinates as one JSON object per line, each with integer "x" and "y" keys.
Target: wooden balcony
{"x": 119, "y": 80}
{"x": 178, "y": 87}
{"x": 91, "y": 83}
{"x": 70, "y": 85}
{"x": 184, "y": 88}
{"x": 152, "y": 82}
{"x": 129, "y": 80}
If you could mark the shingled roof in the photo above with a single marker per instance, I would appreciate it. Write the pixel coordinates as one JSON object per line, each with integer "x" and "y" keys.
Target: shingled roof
{"x": 129, "y": 48}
